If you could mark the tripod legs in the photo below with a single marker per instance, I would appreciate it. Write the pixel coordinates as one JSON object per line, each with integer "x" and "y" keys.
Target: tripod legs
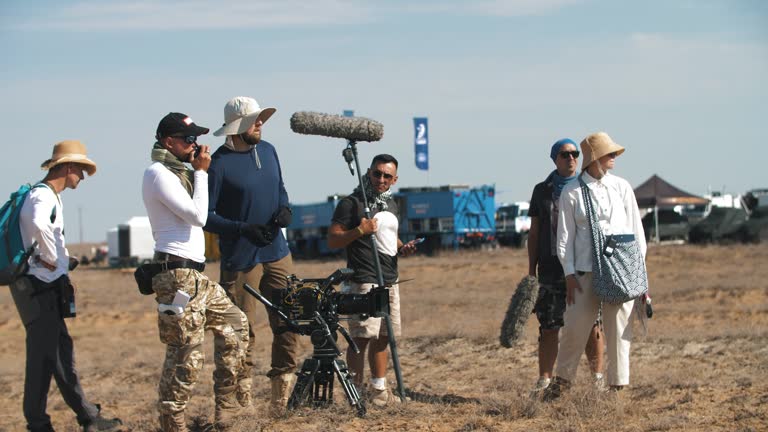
{"x": 315, "y": 384}
{"x": 303, "y": 386}
{"x": 349, "y": 389}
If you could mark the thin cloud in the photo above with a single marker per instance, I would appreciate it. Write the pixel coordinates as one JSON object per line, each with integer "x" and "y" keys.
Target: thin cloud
{"x": 498, "y": 8}
{"x": 205, "y": 15}
{"x": 197, "y": 15}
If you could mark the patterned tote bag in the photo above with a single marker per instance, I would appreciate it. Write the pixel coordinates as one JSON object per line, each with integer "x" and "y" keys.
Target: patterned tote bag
{"x": 618, "y": 266}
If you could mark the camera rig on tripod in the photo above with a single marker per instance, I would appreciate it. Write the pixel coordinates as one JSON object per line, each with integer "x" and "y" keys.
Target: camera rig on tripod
{"x": 311, "y": 307}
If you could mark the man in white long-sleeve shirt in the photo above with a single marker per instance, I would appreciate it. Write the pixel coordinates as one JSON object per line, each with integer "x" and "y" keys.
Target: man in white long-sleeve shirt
{"x": 176, "y": 199}
{"x": 617, "y": 213}
{"x": 42, "y": 296}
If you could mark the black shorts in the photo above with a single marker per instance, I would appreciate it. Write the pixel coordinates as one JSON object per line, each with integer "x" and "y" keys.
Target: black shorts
{"x": 550, "y": 305}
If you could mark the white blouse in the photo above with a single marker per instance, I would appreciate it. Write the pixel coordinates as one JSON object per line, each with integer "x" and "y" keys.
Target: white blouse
{"x": 617, "y": 213}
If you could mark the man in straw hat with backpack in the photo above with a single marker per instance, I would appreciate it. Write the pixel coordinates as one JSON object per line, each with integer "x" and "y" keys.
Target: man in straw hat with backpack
{"x": 44, "y": 296}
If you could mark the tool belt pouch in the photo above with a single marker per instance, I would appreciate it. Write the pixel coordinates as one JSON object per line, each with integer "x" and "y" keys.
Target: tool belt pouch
{"x": 143, "y": 276}
{"x": 67, "y": 298}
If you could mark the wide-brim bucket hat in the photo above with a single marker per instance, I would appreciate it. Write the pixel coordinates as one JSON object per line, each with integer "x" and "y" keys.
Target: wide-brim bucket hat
{"x": 597, "y": 145}
{"x": 240, "y": 113}
{"x": 70, "y": 151}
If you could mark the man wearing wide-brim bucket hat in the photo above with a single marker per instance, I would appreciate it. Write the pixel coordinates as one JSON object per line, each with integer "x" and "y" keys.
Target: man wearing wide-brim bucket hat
{"x": 44, "y": 296}
{"x": 240, "y": 114}
{"x": 248, "y": 207}
{"x": 617, "y": 213}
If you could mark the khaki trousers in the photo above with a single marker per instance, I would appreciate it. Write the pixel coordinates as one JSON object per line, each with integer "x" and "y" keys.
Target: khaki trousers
{"x": 266, "y": 277}
{"x": 579, "y": 319}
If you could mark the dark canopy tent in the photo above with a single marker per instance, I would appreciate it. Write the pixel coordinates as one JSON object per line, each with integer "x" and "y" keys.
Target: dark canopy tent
{"x": 655, "y": 192}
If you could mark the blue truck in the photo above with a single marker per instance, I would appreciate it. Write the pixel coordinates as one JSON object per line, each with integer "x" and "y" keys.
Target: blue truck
{"x": 452, "y": 216}
{"x": 307, "y": 235}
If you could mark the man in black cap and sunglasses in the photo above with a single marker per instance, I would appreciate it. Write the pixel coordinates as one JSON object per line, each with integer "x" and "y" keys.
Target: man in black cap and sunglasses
{"x": 351, "y": 229}
{"x": 544, "y": 264}
{"x": 176, "y": 199}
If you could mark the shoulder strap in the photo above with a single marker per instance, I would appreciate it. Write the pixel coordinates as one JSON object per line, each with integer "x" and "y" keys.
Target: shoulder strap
{"x": 53, "y": 212}
{"x": 594, "y": 226}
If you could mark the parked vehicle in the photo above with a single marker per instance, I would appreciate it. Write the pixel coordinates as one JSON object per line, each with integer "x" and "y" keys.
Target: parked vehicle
{"x": 451, "y": 216}
{"x": 513, "y": 224}
{"x": 307, "y": 235}
{"x": 672, "y": 225}
{"x": 130, "y": 243}
{"x": 755, "y": 228}
{"x": 722, "y": 223}
{"x": 445, "y": 216}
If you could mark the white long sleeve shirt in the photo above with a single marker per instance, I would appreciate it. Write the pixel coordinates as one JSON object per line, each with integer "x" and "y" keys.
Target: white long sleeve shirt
{"x": 177, "y": 219}
{"x": 617, "y": 213}
{"x": 36, "y": 225}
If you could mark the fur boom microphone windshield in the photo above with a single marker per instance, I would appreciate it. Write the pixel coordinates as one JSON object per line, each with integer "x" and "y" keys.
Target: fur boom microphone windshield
{"x": 336, "y": 126}
{"x": 520, "y": 307}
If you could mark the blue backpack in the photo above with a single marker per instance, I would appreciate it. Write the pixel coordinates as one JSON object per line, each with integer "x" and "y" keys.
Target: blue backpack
{"x": 13, "y": 256}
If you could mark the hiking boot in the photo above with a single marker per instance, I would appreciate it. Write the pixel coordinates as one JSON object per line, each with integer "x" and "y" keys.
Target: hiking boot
{"x": 381, "y": 397}
{"x": 173, "y": 422}
{"x": 281, "y": 392}
{"x": 100, "y": 424}
{"x": 244, "y": 395}
{"x": 555, "y": 389}
{"x": 541, "y": 385}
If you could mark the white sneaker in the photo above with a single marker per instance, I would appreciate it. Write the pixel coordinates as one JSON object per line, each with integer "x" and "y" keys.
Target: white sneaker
{"x": 599, "y": 382}
{"x": 540, "y": 386}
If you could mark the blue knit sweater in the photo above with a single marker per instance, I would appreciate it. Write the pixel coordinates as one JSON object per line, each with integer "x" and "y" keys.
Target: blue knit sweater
{"x": 240, "y": 192}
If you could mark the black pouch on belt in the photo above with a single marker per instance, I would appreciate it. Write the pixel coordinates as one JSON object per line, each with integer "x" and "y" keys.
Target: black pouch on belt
{"x": 67, "y": 298}
{"x": 143, "y": 276}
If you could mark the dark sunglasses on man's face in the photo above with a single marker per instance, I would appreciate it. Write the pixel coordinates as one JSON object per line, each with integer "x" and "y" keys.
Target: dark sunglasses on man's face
{"x": 188, "y": 139}
{"x": 378, "y": 174}
{"x": 565, "y": 154}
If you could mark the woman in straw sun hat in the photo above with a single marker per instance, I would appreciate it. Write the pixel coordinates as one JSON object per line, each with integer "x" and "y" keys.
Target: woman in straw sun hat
{"x": 617, "y": 213}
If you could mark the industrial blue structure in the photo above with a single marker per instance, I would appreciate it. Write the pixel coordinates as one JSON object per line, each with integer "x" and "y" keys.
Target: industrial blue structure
{"x": 307, "y": 235}
{"x": 450, "y": 216}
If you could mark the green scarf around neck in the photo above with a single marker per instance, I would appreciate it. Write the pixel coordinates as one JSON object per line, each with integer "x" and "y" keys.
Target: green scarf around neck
{"x": 186, "y": 175}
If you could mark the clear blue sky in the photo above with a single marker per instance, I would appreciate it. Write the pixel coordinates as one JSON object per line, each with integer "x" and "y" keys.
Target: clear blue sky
{"x": 680, "y": 83}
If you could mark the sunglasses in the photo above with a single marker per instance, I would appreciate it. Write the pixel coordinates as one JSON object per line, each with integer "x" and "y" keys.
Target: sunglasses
{"x": 378, "y": 174}
{"x": 187, "y": 139}
{"x": 565, "y": 154}
{"x": 613, "y": 155}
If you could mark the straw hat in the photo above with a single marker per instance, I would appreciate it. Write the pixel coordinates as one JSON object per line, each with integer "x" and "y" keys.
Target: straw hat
{"x": 597, "y": 145}
{"x": 240, "y": 113}
{"x": 70, "y": 151}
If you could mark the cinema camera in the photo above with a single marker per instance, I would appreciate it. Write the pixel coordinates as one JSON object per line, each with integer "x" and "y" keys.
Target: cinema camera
{"x": 311, "y": 307}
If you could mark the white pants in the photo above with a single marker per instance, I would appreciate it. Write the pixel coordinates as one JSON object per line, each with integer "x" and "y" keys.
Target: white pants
{"x": 579, "y": 319}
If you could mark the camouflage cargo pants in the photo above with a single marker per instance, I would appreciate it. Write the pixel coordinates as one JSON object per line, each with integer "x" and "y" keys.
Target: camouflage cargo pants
{"x": 209, "y": 308}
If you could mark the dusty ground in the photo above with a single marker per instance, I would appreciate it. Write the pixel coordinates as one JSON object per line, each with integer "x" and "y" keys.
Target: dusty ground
{"x": 703, "y": 365}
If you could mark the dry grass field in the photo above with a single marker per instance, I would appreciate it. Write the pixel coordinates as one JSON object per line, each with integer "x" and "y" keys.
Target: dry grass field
{"x": 703, "y": 365}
